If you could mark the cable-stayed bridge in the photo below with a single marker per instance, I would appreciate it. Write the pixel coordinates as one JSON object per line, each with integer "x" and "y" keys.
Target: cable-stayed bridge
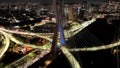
{"x": 57, "y": 40}
{"x": 68, "y": 33}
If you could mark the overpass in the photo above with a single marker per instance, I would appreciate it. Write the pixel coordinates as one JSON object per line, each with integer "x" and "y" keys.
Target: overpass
{"x": 60, "y": 42}
{"x": 47, "y": 46}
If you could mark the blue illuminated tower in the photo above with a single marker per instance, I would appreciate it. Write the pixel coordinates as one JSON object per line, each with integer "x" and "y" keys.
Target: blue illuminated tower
{"x": 59, "y": 27}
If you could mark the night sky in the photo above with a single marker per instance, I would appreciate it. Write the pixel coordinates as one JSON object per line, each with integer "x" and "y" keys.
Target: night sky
{"x": 49, "y": 1}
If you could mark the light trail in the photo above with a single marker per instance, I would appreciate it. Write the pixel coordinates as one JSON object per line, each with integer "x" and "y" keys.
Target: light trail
{"x": 103, "y": 47}
{"x": 28, "y": 59}
{"x": 12, "y": 38}
{"x": 26, "y": 33}
{"x": 4, "y": 47}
